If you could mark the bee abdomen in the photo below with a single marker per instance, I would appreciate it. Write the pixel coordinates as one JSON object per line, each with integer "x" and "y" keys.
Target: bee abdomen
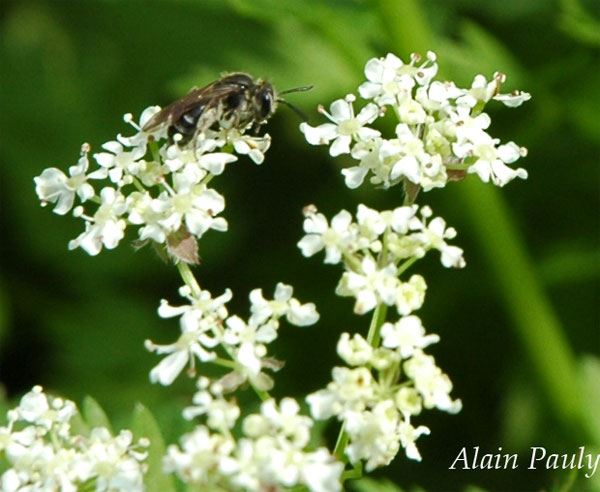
{"x": 187, "y": 124}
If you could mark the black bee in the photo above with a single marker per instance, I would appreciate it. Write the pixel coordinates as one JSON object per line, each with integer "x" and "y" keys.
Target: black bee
{"x": 234, "y": 101}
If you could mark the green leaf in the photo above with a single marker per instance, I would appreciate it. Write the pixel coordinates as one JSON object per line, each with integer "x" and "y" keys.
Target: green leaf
{"x": 144, "y": 425}
{"x": 479, "y": 52}
{"x": 93, "y": 414}
{"x": 579, "y": 24}
{"x": 370, "y": 485}
{"x": 79, "y": 426}
{"x": 589, "y": 381}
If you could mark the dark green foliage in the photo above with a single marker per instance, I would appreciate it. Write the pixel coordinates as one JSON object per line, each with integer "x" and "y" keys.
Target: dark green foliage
{"x": 76, "y": 324}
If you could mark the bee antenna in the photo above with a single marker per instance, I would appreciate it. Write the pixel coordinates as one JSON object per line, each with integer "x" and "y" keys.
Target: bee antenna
{"x": 296, "y": 110}
{"x": 303, "y": 88}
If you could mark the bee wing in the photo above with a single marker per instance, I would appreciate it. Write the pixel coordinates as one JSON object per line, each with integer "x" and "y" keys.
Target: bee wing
{"x": 203, "y": 96}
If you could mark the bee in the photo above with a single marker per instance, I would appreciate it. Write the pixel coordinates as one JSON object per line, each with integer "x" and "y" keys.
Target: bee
{"x": 235, "y": 100}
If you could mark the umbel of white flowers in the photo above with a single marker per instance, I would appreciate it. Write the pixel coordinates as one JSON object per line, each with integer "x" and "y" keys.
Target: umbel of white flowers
{"x": 441, "y": 129}
{"x": 441, "y": 135}
{"x": 162, "y": 191}
{"x": 385, "y": 386}
{"x": 45, "y": 454}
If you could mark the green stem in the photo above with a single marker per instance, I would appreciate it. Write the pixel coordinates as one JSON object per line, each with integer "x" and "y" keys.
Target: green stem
{"x": 373, "y": 337}
{"x": 374, "y": 334}
{"x": 406, "y": 265}
{"x": 534, "y": 320}
{"x": 188, "y": 277}
{"x": 340, "y": 445}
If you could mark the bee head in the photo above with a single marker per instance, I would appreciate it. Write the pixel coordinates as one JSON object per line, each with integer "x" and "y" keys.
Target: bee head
{"x": 264, "y": 100}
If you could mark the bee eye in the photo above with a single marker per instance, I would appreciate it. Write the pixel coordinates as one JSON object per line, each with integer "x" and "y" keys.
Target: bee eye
{"x": 265, "y": 103}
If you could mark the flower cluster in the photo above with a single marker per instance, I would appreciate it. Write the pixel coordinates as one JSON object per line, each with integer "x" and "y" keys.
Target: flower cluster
{"x": 385, "y": 386}
{"x": 163, "y": 190}
{"x": 271, "y": 453}
{"x": 382, "y": 389}
{"x": 44, "y": 454}
{"x": 206, "y": 324}
{"x": 440, "y": 134}
{"x": 397, "y": 237}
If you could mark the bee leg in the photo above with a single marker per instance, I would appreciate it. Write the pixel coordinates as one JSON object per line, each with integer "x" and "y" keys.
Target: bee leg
{"x": 256, "y": 128}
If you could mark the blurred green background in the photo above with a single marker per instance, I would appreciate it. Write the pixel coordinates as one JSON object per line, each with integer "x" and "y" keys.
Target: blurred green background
{"x": 520, "y": 326}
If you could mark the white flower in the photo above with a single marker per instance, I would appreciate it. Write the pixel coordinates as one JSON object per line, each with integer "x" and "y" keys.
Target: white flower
{"x": 408, "y": 435}
{"x": 253, "y": 147}
{"x": 434, "y": 234}
{"x": 221, "y": 414}
{"x": 195, "y": 205}
{"x": 371, "y": 286}
{"x": 384, "y": 81}
{"x": 335, "y": 239}
{"x": 148, "y": 212}
{"x": 201, "y": 458}
{"x": 120, "y": 162}
{"x": 514, "y": 99}
{"x": 345, "y": 127}
{"x": 432, "y": 384}
{"x": 197, "y": 338}
{"x": 202, "y": 305}
{"x": 373, "y": 435}
{"x": 350, "y": 390}
{"x": 491, "y": 162}
{"x": 46, "y": 456}
{"x": 106, "y": 228}
{"x": 406, "y": 335}
{"x": 355, "y": 351}
{"x": 410, "y": 295}
{"x": 112, "y": 462}
{"x": 283, "y": 304}
{"x": 283, "y": 422}
{"x": 239, "y": 333}
{"x": 53, "y": 186}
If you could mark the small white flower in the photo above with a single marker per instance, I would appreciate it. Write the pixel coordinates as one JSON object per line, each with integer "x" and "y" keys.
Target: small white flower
{"x": 239, "y": 333}
{"x": 196, "y": 206}
{"x": 148, "y": 212}
{"x": 106, "y": 228}
{"x": 408, "y": 435}
{"x": 196, "y": 340}
{"x": 384, "y": 82}
{"x": 373, "y": 435}
{"x": 253, "y": 147}
{"x": 53, "y": 186}
{"x": 200, "y": 458}
{"x": 46, "y": 455}
{"x": 120, "y": 162}
{"x": 434, "y": 235}
{"x": 221, "y": 414}
{"x": 410, "y": 295}
{"x": 406, "y": 335}
{"x": 283, "y": 304}
{"x": 345, "y": 127}
{"x": 355, "y": 351}
{"x": 350, "y": 390}
{"x": 335, "y": 239}
{"x": 432, "y": 384}
{"x": 513, "y": 99}
{"x": 371, "y": 286}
